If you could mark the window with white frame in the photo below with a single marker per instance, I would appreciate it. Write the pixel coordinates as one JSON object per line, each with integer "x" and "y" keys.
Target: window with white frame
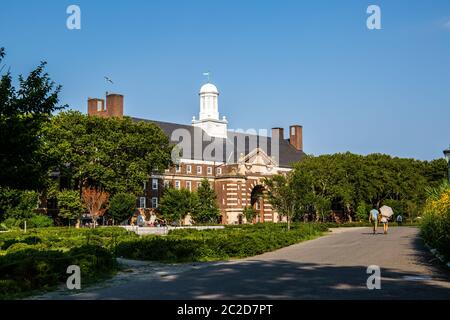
{"x": 189, "y": 168}
{"x": 177, "y": 168}
{"x": 177, "y": 184}
{"x": 209, "y": 170}
{"x": 219, "y": 170}
{"x": 166, "y": 184}
{"x": 154, "y": 202}
{"x": 199, "y": 169}
{"x": 142, "y": 202}
{"x": 155, "y": 184}
{"x": 189, "y": 185}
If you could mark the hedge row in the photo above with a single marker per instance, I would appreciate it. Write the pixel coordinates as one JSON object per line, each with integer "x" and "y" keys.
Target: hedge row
{"x": 211, "y": 245}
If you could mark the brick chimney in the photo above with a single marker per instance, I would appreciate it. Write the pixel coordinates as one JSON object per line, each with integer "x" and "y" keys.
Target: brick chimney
{"x": 96, "y": 107}
{"x": 278, "y": 132}
{"x": 114, "y": 105}
{"x": 296, "y": 136}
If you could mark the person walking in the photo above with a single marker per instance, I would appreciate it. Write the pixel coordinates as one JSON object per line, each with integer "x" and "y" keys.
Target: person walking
{"x": 385, "y": 222}
{"x": 373, "y": 218}
{"x": 399, "y": 220}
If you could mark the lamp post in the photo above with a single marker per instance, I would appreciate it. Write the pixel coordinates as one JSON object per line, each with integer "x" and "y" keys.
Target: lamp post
{"x": 447, "y": 156}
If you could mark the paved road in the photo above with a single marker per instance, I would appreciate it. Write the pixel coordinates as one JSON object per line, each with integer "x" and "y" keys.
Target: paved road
{"x": 330, "y": 267}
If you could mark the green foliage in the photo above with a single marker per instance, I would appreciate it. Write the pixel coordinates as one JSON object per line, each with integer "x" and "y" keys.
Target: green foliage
{"x": 205, "y": 204}
{"x": 435, "y": 223}
{"x": 70, "y": 205}
{"x": 30, "y": 268}
{"x": 17, "y": 204}
{"x": 249, "y": 213}
{"x": 121, "y": 206}
{"x": 38, "y": 259}
{"x": 345, "y": 181}
{"x": 113, "y": 154}
{"x": 175, "y": 204}
{"x": 362, "y": 211}
{"x": 23, "y": 111}
{"x": 38, "y": 221}
{"x": 208, "y": 245}
{"x": 282, "y": 195}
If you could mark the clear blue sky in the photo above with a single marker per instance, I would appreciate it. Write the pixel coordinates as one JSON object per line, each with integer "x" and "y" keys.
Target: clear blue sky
{"x": 275, "y": 63}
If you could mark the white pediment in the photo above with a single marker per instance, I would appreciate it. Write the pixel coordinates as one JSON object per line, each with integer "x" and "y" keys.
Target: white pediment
{"x": 256, "y": 161}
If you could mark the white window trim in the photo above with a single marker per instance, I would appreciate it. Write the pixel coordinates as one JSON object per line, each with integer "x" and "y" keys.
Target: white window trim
{"x": 188, "y": 168}
{"x": 209, "y": 170}
{"x": 178, "y": 168}
{"x": 155, "y": 202}
{"x": 199, "y": 169}
{"x": 142, "y": 202}
{"x": 155, "y": 184}
{"x": 189, "y": 185}
{"x": 177, "y": 182}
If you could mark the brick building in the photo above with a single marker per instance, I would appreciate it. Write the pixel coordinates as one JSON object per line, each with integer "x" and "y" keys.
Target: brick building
{"x": 234, "y": 161}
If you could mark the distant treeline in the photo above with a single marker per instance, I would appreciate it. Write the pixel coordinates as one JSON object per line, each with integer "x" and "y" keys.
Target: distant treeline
{"x": 350, "y": 185}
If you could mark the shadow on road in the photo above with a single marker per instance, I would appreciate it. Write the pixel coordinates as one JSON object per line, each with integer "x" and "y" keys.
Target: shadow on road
{"x": 277, "y": 280}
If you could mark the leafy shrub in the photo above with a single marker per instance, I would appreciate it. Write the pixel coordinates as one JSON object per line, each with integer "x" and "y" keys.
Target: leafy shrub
{"x": 435, "y": 224}
{"x": 122, "y": 206}
{"x": 205, "y": 245}
{"x": 26, "y": 268}
{"x": 38, "y": 221}
{"x": 17, "y": 204}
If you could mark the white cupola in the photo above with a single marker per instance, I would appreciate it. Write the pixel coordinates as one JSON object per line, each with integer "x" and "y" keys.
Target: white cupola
{"x": 209, "y": 102}
{"x": 209, "y": 112}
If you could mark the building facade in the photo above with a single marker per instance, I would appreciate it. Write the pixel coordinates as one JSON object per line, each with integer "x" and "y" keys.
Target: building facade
{"x": 234, "y": 161}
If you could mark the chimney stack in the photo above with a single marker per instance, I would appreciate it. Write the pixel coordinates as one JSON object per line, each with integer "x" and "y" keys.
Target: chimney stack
{"x": 278, "y": 133}
{"x": 296, "y": 137}
{"x": 96, "y": 107}
{"x": 113, "y": 107}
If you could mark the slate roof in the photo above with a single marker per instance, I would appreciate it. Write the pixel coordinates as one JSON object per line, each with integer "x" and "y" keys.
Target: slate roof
{"x": 236, "y": 144}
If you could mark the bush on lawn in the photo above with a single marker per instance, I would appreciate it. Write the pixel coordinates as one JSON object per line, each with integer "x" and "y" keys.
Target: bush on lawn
{"x": 26, "y": 268}
{"x": 188, "y": 245}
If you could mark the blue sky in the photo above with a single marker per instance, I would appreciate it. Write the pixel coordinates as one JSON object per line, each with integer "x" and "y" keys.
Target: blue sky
{"x": 275, "y": 63}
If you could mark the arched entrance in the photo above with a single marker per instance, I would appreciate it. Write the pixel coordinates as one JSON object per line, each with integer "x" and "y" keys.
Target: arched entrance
{"x": 257, "y": 202}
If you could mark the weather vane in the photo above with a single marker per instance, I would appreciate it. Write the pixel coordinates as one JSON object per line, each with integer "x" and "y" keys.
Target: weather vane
{"x": 208, "y": 75}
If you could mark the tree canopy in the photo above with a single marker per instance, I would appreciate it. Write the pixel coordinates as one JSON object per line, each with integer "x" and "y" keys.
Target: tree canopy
{"x": 113, "y": 154}
{"x": 346, "y": 182}
{"x": 206, "y": 209}
{"x": 23, "y": 112}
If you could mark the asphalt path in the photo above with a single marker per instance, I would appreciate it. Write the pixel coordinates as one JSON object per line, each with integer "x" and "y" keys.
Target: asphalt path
{"x": 330, "y": 267}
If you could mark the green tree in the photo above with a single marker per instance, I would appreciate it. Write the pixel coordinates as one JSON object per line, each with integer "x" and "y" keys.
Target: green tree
{"x": 70, "y": 205}
{"x": 249, "y": 213}
{"x": 17, "y": 204}
{"x": 175, "y": 205}
{"x": 206, "y": 209}
{"x": 282, "y": 196}
{"x": 121, "y": 206}
{"x": 23, "y": 112}
{"x": 112, "y": 154}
